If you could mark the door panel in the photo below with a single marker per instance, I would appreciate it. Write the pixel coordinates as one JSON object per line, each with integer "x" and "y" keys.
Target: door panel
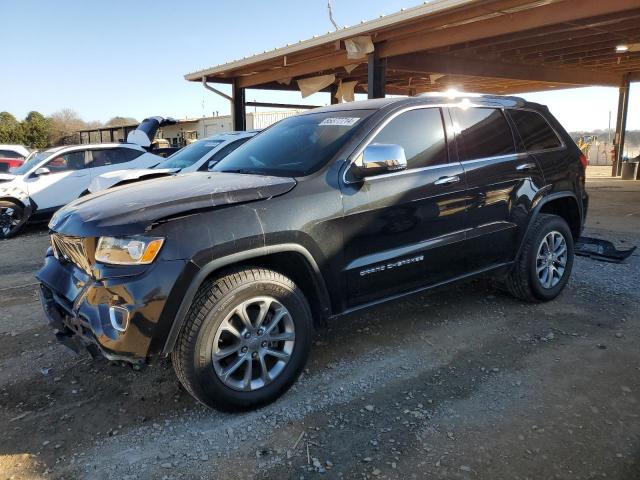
{"x": 401, "y": 232}
{"x": 69, "y": 177}
{"x": 499, "y": 199}
{"x": 401, "y": 229}
{"x": 501, "y": 183}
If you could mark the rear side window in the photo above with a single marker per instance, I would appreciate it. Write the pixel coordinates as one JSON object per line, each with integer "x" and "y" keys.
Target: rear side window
{"x": 421, "y": 133}
{"x": 482, "y": 133}
{"x": 10, "y": 154}
{"x": 535, "y": 131}
{"x": 112, "y": 156}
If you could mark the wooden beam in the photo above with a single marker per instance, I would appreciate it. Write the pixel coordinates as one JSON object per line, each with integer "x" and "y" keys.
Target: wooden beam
{"x": 319, "y": 65}
{"x": 496, "y": 24}
{"x": 564, "y": 40}
{"x": 438, "y": 63}
{"x": 530, "y": 18}
{"x": 296, "y": 106}
{"x": 553, "y": 34}
{"x": 463, "y": 14}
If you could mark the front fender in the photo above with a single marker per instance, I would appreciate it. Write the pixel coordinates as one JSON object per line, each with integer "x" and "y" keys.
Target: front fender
{"x": 198, "y": 275}
{"x": 18, "y": 196}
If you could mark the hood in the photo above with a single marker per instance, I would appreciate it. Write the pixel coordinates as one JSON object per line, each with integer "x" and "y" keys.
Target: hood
{"x": 131, "y": 209}
{"x": 144, "y": 134}
{"x": 109, "y": 179}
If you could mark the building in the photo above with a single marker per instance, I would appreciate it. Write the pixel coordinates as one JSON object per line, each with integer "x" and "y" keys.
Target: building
{"x": 489, "y": 46}
{"x": 187, "y": 129}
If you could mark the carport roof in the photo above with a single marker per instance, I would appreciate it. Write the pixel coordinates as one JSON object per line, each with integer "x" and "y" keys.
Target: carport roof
{"x": 492, "y": 46}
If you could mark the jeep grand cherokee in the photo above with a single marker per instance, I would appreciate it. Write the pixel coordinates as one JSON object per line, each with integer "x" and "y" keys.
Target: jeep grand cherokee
{"x": 322, "y": 214}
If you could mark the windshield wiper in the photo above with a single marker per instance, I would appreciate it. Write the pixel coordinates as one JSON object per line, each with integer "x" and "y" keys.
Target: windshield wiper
{"x": 246, "y": 171}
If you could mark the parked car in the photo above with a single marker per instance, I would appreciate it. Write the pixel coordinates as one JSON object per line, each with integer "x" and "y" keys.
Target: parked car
{"x": 165, "y": 152}
{"x": 198, "y": 156}
{"x": 322, "y": 214}
{"x": 12, "y": 156}
{"x": 54, "y": 177}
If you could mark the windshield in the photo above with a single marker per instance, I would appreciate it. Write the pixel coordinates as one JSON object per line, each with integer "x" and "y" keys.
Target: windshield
{"x": 187, "y": 156}
{"x": 30, "y": 162}
{"x": 295, "y": 146}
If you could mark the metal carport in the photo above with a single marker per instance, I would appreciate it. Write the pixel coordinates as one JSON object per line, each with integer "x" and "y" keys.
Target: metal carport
{"x": 488, "y": 46}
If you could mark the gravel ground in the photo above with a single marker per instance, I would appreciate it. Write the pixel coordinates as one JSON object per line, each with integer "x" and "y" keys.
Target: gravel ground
{"x": 463, "y": 382}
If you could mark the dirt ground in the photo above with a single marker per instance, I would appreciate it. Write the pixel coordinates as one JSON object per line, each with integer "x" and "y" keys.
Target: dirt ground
{"x": 462, "y": 383}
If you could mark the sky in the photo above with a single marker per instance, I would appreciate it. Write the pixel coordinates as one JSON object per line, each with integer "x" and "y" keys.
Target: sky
{"x": 128, "y": 58}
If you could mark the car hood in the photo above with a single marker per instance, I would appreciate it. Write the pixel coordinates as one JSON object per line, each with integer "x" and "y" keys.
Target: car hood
{"x": 132, "y": 209}
{"x": 108, "y": 180}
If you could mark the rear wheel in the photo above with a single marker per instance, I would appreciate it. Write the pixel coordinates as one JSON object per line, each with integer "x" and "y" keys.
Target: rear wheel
{"x": 246, "y": 339}
{"x": 546, "y": 260}
{"x": 11, "y": 218}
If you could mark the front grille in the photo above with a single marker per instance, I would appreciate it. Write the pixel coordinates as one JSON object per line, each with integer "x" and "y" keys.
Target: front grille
{"x": 71, "y": 249}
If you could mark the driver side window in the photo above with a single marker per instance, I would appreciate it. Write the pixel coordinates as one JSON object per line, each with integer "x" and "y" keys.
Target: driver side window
{"x": 68, "y": 161}
{"x": 421, "y": 133}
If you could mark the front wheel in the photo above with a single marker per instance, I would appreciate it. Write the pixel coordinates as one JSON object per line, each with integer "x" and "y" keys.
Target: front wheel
{"x": 12, "y": 218}
{"x": 545, "y": 262}
{"x": 246, "y": 339}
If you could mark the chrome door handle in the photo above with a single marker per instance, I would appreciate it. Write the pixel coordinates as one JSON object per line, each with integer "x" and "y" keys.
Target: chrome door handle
{"x": 447, "y": 180}
{"x": 525, "y": 167}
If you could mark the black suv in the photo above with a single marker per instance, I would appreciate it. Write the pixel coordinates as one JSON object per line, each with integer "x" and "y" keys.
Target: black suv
{"x": 322, "y": 214}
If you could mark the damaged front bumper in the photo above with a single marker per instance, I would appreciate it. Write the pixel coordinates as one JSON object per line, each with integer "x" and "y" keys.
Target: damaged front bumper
{"x": 120, "y": 317}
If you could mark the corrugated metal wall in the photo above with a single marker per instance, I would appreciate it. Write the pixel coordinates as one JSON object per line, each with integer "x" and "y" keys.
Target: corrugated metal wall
{"x": 259, "y": 120}
{"x": 255, "y": 121}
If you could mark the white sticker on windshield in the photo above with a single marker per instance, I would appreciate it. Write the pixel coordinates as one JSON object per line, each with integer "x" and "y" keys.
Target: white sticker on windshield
{"x": 340, "y": 121}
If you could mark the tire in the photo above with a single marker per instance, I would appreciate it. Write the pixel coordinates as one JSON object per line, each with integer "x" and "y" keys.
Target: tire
{"x": 525, "y": 281}
{"x": 208, "y": 330}
{"x": 12, "y": 218}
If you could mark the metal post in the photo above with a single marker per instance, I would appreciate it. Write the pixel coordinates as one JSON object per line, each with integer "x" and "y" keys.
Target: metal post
{"x": 376, "y": 75}
{"x": 621, "y": 125}
{"x": 239, "y": 111}
{"x": 332, "y": 92}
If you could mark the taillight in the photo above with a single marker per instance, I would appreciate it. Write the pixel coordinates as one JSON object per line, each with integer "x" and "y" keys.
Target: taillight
{"x": 584, "y": 161}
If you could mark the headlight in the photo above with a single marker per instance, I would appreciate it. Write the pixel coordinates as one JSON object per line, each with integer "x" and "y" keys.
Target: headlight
{"x": 128, "y": 250}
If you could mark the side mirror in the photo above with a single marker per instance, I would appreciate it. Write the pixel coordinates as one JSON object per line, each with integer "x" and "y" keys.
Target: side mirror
{"x": 41, "y": 171}
{"x": 379, "y": 158}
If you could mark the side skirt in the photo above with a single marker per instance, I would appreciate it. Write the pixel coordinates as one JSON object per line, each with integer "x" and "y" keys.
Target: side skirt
{"x": 460, "y": 278}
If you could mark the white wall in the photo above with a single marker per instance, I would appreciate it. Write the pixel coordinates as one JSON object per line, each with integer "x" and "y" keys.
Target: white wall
{"x": 208, "y": 126}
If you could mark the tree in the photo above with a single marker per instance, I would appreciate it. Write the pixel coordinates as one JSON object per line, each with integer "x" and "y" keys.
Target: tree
{"x": 10, "y": 129}
{"x": 120, "y": 121}
{"x": 37, "y": 130}
{"x": 65, "y": 125}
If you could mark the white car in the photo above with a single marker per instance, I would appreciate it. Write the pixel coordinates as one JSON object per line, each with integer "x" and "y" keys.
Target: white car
{"x": 8, "y": 150}
{"x": 198, "y": 156}
{"x": 54, "y": 177}
{"x": 12, "y": 156}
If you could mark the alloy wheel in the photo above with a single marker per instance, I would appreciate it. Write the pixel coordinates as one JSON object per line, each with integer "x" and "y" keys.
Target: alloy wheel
{"x": 551, "y": 259}
{"x": 253, "y": 344}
